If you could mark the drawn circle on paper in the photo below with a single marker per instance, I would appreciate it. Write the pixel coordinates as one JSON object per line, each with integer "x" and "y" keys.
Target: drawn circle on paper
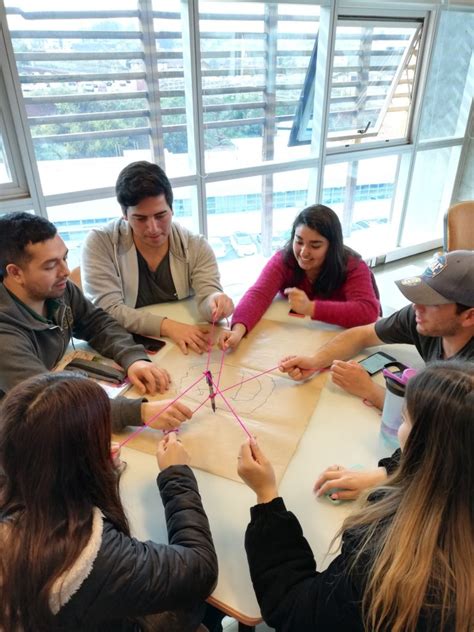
{"x": 244, "y": 396}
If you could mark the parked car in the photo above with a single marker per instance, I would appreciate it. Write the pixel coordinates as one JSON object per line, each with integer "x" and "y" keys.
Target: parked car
{"x": 243, "y": 244}
{"x": 280, "y": 239}
{"x": 367, "y": 223}
{"x": 218, "y": 246}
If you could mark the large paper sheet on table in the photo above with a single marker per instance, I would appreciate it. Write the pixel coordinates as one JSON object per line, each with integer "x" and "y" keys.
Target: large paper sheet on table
{"x": 273, "y": 407}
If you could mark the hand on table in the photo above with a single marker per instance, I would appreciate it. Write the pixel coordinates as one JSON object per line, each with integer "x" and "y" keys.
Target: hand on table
{"x": 221, "y": 306}
{"x": 299, "y": 301}
{"x": 115, "y": 450}
{"x": 353, "y": 378}
{"x": 170, "y": 419}
{"x": 298, "y": 367}
{"x": 171, "y": 452}
{"x": 194, "y": 337}
{"x": 350, "y": 482}
{"x": 257, "y": 472}
{"x": 230, "y": 339}
{"x": 148, "y": 378}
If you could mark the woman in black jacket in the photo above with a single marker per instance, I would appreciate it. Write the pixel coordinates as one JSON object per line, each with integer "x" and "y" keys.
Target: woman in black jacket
{"x": 407, "y": 556}
{"x": 67, "y": 560}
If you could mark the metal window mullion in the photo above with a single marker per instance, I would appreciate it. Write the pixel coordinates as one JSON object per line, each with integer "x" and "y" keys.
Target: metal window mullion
{"x": 8, "y": 147}
{"x": 269, "y": 126}
{"x": 152, "y": 80}
{"x": 194, "y": 106}
{"x": 29, "y": 168}
{"x": 326, "y": 40}
{"x": 467, "y": 141}
{"x": 359, "y": 152}
{"x": 431, "y": 29}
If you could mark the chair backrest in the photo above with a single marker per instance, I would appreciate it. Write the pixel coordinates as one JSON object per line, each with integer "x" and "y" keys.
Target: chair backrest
{"x": 75, "y": 277}
{"x": 376, "y": 290}
{"x": 459, "y": 226}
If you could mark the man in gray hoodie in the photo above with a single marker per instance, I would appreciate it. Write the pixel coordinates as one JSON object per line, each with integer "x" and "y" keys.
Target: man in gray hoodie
{"x": 145, "y": 258}
{"x": 41, "y": 310}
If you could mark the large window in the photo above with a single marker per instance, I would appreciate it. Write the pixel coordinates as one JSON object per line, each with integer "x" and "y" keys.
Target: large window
{"x": 5, "y": 173}
{"x": 362, "y": 194}
{"x": 254, "y": 58}
{"x": 12, "y": 176}
{"x": 254, "y": 109}
{"x": 372, "y": 83}
{"x": 82, "y": 78}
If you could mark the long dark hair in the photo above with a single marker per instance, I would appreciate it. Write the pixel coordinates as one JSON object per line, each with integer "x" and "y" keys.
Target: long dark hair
{"x": 333, "y": 273}
{"x": 419, "y": 536}
{"x": 55, "y": 460}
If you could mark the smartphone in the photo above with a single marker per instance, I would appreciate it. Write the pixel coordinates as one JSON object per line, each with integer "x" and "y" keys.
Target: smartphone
{"x": 376, "y": 362}
{"x": 293, "y": 313}
{"x": 152, "y": 345}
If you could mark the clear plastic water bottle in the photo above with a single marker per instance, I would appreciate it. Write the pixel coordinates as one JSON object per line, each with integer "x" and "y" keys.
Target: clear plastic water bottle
{"x": 393, "y": 405}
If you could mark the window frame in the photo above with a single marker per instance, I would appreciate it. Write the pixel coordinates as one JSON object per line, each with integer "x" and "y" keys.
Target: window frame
{"x": 321, "y": 156}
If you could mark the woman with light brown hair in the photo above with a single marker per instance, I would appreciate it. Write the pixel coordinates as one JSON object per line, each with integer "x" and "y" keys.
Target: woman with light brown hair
{"x": 407, "y": 556}
{"x": 67, "y": 560}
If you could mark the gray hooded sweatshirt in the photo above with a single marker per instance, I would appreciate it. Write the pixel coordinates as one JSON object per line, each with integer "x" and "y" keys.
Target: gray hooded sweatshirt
{"x": 110, "y": 273}
{"x": 30, "y": 346}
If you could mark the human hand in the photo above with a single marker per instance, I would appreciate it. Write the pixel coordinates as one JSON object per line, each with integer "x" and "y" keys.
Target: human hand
{"x": 171, "y": 452}
{"x": 230, "y": 339}
{"x": 171, "y": 417}
{"x": 298, "y": 367}
{"x": 115, "y": 449}
{"x": 148, "y": 378}
{"x": 221, "y": 306}
{"x": 299, "y": 301}
{"x": 350, "y": 482}
{"x": 257, "y": 472}
{"x": 196, "y": 337}
{"x": 352, "y": 377}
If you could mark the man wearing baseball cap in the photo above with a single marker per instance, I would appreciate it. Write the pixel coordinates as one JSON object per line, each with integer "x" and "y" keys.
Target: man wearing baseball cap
{"x": 448, "y": 279}
{"x": 440, "y": 323}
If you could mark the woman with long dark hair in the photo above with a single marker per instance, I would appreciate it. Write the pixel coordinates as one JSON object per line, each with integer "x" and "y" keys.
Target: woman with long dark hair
{"x": 67, "y": 560}
{"x": 407, "y": 555}
{"x": 321, "y": 277}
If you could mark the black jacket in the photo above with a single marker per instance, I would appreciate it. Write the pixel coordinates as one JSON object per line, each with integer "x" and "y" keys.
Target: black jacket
{"x": 130, "y": 578}
{"x": 391, "y": 463}
{"x": 30, "y": 346}
{"x": 295, "y": 597}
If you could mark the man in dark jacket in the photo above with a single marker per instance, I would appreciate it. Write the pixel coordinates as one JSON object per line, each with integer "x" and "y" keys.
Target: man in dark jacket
{"x": 40, "y": 311}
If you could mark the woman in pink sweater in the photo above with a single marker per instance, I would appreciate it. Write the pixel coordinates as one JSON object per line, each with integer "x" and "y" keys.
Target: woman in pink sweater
{"x": 321, "y": 277}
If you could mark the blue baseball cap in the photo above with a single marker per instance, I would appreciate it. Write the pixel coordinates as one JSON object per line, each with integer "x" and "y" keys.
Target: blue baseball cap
{"x": 449, "y": 278}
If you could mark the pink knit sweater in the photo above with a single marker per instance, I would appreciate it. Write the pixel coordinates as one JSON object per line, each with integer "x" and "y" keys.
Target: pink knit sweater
{"x": 354, "y": 303}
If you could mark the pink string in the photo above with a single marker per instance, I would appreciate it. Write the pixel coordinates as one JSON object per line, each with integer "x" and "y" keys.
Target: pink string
{"x": 218, "y": 391}
{"x": 221, "y": 367}
{"x": 248, "y": 379}
{"x": 244, "y": 427}
{"x": 201, "y": 404}
{"x": 210, "y": 345}
{"x": 142, "y": 428}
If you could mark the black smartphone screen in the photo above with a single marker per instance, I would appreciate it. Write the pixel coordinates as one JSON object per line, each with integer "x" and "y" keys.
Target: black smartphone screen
{"x": 376, "y": 362}
{"x": 151, "y": 344}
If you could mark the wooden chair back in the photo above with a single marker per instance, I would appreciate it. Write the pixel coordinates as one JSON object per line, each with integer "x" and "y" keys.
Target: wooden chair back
{"x": 459, "y": 226}
{"x": 75, "y": 277}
